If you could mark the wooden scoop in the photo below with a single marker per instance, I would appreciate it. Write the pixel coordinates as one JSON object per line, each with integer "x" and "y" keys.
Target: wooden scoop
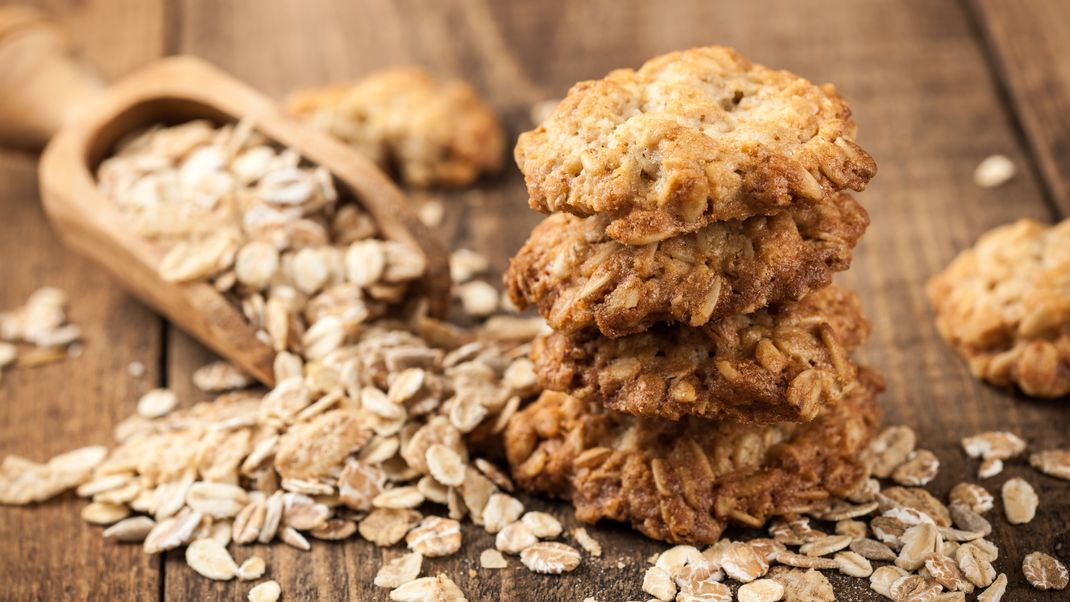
{"x": 49, "y": 94}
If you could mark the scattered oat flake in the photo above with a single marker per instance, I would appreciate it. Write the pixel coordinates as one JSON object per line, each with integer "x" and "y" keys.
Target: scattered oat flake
{"x": 871, "y": 549}
{"x": 743, "y": 563}
{"x": 972, "y": 496}
{"x": 891, "y": 448}
{"x": 658, "y": 583}
{"x": 492, "y": 559}
{"x": 157, "y": 403}
{"x": 918, "y": 542}
{"x": 445, "y": 465}
{"x": 946, "y": 572}
{"x": 883, "y": 578}
{"x": 435, "y": 537}
{"x": 806, "y": 562}
{"x": 209, "y": 559}
{"x": 804, "y": 586}
{"x": 824, "y": 546}
{"x": 399, "y": 497}
{"x": 995, "y": 592}
{"x": 1020, "y": 501}
{"x": 989, "y": 468}
{"x": 335, "y": 529}
{"x": 853, "y": 564}
{"x": 252, "y": 569}
{"x": 221, "y": 376}
{"x": 478, "y": 298}
{"x": 437, "y": 589}
{"x": 172, "y": 532}
{"x": 994, "y": 171}
{"x": 550, "y": 557}
{"x": 268, "y": 591}
{"x": 969, "y": 521}
{"x": 677, "y": 557}
{"x": 387, "y": 526}
{"x": 920, "y": 468}
{"x": 466, "y": 263}
{"x": 431, "y": 213}
{"x": 794, "y": 531}
{"x": 399, "y": 571}
{"x": 975, "y": 564}
{"x": 588, "y": 543}
{"x": 1053, "y": 462}
{"x": 514, "y": 538}
{"x": 542, "y": 525}
{"x": 500, "y": 510}
{"x": 998, "y": 445}
{"x": 761, "y": 590}
{"x": 1044, "y": 572}
{"x": 130, "y": 530}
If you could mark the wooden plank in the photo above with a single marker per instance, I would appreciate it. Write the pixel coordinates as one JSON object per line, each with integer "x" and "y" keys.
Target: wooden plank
{"x": 1030, "y": 44}
{"x": 52, "y": 554}
{"x": 917, "y": 78}
{"x": 49, "y": 410}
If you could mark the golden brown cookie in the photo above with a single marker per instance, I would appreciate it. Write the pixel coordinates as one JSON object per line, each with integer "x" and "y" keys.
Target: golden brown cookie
{"x": 781, "y": 363}
{"x": 684, "y": 481}
{"x": 1004, "y": 304}
{"x": 691, "y": 137}
{"x": 580, "y": 278}
{"x": 430, "y": 131}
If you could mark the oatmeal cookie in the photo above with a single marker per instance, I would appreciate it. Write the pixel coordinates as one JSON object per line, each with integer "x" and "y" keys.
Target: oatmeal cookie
{"x": 430, "y": 131}
{"x": 1004, "y": 304}
{"x": 781, "y": 363}
{"x": 579, "y": 277}
{"x": 691, "y": 137}
{"x": 684, "y": 481}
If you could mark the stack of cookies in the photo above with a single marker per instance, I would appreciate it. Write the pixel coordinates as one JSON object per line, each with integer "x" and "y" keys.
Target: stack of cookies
{"x": 699, "y": 371}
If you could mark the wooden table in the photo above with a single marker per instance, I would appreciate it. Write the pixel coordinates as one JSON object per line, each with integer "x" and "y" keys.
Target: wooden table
{"x": 936, "y": 85}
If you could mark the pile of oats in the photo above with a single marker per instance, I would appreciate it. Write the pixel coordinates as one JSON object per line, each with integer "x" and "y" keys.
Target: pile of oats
{"x": 359, "y": 442}
{"x": 306, "y": 265}
{"x": 909, "y": 544}
{"x": 41, "y": 326}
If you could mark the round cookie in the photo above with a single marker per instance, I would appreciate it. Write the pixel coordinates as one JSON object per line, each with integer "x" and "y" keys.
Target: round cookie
{"x": 782, "y": 363}
{"x": 684, "y": 481}
{"x": 691, "y": 137}
{"x": 581, "y": 278}
{"x": 430, "y": 131}
{"x": 1004, "y": 304}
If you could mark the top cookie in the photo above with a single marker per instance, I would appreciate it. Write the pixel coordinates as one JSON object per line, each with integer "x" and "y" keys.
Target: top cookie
{"x": 691, "y": 137}
{"x": 431, "y": 131}
{"x": 1005, "y": 306}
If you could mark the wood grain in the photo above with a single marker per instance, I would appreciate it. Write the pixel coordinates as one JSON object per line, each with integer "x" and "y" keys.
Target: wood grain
{"x": 1029, "y": 42}
{"x": 927, "y": 100}
{"x": 51, "y": 554}
{"x": 923, "y": 94}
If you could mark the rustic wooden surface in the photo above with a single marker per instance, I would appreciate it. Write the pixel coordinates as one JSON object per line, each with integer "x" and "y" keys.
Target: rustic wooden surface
{"x": 936, "y": 86}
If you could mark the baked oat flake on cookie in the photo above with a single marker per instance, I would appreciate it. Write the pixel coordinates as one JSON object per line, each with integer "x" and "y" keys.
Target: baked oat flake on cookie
{"x": 1004, "y": 304}
{"x": 691, "y": 137}
{"x": 430, "y": 131}
{"x": 781, "y": 363}
{"x": 579, "y": 277}
{"x": 685, "y": 481}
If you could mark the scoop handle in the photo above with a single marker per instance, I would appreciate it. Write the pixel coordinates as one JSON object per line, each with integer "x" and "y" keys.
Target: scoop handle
{"x": 43, "y": 81}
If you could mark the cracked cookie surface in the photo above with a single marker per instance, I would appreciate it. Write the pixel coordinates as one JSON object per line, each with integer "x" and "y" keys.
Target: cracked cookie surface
{"x": 1004, "y": 305}
{"x": 684, "y": 481}
{"x": 782, "y": 363}
{"x": 691, "y": 137}
{"x": 579, "y": 277}
{"x": 430, "y": 131}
